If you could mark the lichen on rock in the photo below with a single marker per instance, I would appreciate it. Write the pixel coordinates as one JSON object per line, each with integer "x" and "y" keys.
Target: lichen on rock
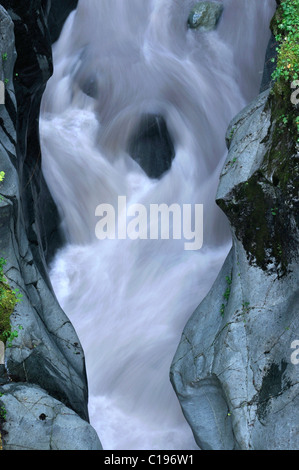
{"x": 205, "y": 16}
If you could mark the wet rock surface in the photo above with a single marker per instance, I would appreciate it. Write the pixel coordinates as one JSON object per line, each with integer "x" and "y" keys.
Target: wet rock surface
{"x": 205, "y": 16}
{"x": 46, "y": 352}
{"x": 232, "y": 372}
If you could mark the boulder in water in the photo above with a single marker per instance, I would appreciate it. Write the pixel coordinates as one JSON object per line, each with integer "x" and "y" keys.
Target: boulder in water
{"x": 205, "y": 16}
{"x": 151, "y": 145}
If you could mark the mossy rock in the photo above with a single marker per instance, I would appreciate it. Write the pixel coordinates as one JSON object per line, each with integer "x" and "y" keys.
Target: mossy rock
{"x": 7, "y": 304}
{"x": 205, "y": 16}
{"x": 264, "y": 208}
{"x": 285, "y": 28}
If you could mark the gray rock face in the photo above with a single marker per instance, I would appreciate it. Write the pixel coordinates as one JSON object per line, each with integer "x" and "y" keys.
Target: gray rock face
{"x": 32, "y": 420}
{"x": 33, "y": 68}
{"x": 205, "y": 16}
{"x": 233, "y": 372}
{"x": 47, "y": 351}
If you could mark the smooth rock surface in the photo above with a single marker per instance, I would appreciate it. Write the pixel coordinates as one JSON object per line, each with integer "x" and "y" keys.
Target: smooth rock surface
{"x": 232, "y": 371}
{"x": 47, "y": 352}
{"x": 36, "y": 421}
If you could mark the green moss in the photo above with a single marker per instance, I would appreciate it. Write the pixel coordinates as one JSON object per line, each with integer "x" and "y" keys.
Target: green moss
{"x": 285, "y": 26}
{"x": 264, "y": 210}
{"x": 7, "y": 304}
{"x": 282, "y": 158}
{"x": 8, "y": 300}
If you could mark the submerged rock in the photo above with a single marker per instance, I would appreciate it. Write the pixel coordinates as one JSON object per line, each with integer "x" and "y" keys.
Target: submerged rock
{"x": 151, "y": 146}
{"x": 205, "y": 16}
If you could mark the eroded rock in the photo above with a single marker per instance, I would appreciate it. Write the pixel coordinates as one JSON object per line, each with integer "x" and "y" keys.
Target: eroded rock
{"x": 232, "y": 372}
{"x": 46, "y": 352}
{"x": 30, "y": 419}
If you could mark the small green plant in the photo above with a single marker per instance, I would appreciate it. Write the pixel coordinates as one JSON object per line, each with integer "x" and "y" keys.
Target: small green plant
{"x": 245, "y": 307}
{"x": 245, "y": 310}
{"x": 8, "y": 299}
{"x": 222, "y": 310}
{"x": 2, "y": 280}
{"x": 2, "y": 176}
{"x": 9, "y": 336}
{"x": 17, "y": 295}
{"x": 231, "y": 134}
{"x": 285, "y": 27}
{"x": 286, "y": 30}
{"x": 4, "y": 56}
{"x": 284, "y": 119}
{"x": 226, "y": 294}
{"x": 274, "y": 211}
{"x": 3, "y": 413}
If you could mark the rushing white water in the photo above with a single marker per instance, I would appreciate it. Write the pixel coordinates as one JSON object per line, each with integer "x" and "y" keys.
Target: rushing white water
{"x": 129, "y": 299}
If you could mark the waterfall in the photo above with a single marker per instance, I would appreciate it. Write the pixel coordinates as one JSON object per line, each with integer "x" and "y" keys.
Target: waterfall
{"x": 129, "y": 299}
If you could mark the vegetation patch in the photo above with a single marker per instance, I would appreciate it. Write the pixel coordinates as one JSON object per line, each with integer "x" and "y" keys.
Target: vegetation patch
{"x": 285, "y": 27}
{"x": 8, "y": 300}
{"x": 264, "y": 210}
{"x": 226, "y": 294}
{"x": 7, "y": 304}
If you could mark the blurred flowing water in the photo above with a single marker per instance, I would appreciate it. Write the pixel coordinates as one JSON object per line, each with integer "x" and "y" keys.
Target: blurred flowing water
{"x": 130, "y": 299}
